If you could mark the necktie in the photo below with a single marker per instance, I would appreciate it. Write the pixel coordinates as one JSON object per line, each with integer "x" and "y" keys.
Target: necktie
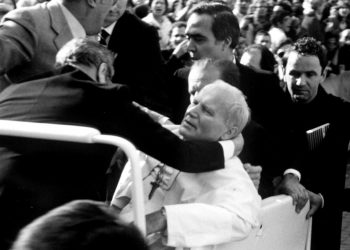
{"x": 103, "y": 37}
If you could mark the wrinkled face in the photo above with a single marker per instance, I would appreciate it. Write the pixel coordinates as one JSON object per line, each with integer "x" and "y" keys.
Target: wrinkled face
{"x": 205, "y": 117}
{"x": 158, "y": 7}
{"x": 252, "y": 58}
{"x": 201, "y": 40}
{"x": 199, "y": 77}
{"x": 177, "y": 36}
{"x": 116, "y": 12}
{"x": 97, "y": 15}
{"x": 263, "y": 40}
{"x": 303, "y": 75}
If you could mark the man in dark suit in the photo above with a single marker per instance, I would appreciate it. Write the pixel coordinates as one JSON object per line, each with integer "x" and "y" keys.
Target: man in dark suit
{"x": 30, "y": 37}
{"x": 213, "y": 32}
{"x": 37, "y": 175}
{"x": 138, "y": 60}
{"x": 322, "y": 161}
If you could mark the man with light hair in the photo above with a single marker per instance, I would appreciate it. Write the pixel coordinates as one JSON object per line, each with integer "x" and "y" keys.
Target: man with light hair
{"x": 206, "y": 209}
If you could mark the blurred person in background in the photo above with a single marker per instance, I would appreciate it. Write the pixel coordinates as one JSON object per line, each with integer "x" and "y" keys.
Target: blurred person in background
{"x": 281, "y": 22}
{"x": 6, "y": 6}
{"x": 159, "y": 19}
{"x": 344, "y": 50}
{"x": 259, "y": 58}
{"x": 177, "y": 47}
{"x": 263, "y": 38}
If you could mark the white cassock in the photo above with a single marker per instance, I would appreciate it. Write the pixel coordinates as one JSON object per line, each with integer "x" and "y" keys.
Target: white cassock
{"x": 202, "y": 209}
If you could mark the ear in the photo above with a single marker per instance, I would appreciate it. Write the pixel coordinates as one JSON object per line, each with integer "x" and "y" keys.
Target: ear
{"x": 102, "y": 73}
{"x": 226, "y": 43}
{"x": 229, "y": 134}
{"x": 324, "y": 75}
{"x": 91, "y": 3}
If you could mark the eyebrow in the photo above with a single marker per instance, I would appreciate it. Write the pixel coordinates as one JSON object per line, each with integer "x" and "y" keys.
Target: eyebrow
{"x": 207, "y": 108}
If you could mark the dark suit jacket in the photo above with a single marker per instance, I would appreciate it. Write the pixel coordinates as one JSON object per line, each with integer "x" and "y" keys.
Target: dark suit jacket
{"x": 323, "y": 169}
{"x": 36, "y": 175}
{"x": 261, "y": 89}
{"x": 262, "y": 92}
{"x": 138, "y": 62}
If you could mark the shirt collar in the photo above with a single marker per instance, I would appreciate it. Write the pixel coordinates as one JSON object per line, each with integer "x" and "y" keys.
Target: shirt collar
{"x": 75, "y": 26}
{"x": 109, "y": 29}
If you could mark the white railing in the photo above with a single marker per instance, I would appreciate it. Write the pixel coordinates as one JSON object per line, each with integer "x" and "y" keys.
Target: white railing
{"x": 82, "y": 134}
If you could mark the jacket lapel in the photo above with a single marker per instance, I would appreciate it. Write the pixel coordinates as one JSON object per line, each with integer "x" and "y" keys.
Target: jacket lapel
{"x": 59, "y": 24}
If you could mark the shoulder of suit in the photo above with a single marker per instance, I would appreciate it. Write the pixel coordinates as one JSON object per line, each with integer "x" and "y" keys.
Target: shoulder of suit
{"x": 27, "y": 15}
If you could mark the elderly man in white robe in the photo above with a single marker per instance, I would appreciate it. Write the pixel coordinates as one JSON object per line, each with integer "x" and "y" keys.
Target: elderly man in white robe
{"x": 199, "y": 211}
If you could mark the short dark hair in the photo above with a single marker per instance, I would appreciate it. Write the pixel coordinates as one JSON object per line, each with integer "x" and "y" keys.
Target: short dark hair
{"x": 225, "y": 24}
{"x": 278, "y": 16}
{"x": 80, "y": 225}
{"x": 310, "y": 46}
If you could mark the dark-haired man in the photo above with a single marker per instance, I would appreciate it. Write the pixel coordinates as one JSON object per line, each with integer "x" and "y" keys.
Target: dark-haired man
{"x": 213, "y": 32}
{"x": 321, "y": 161}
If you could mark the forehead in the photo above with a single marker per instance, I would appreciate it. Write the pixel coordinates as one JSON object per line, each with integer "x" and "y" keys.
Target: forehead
{"x": 199, "y": 24}
{"x": 303, "y": 63}
{"x": 214, "y": 97}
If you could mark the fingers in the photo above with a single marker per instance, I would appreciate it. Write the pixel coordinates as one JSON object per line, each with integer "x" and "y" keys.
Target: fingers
{"x": 311, "y": 212}
{"x": 301, "y": 199}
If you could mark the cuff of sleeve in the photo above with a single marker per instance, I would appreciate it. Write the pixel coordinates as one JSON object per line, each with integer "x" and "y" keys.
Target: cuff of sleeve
{"x": 322, "y": 199}
{"x": 228, "y": 148}
{"x": 294, "y": 172}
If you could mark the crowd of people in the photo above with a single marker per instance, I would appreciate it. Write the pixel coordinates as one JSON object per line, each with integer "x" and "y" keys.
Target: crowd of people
{"x": 224, "y": 99}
